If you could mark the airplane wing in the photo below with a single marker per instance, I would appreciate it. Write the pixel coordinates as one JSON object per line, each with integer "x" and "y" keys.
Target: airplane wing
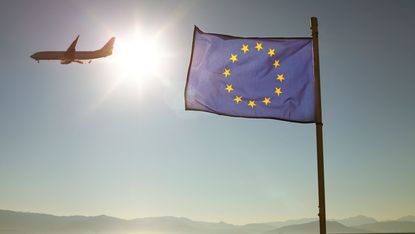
{"x": 71, "y": 49}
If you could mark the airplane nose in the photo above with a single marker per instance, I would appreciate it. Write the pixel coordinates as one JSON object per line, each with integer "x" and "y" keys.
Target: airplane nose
{"x": 32, "y": 56}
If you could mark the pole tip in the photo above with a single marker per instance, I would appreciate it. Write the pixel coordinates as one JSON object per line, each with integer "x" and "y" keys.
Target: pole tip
{"x": 314, "y": 24}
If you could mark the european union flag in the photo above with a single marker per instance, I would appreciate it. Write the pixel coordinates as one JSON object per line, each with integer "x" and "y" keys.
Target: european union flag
{"x": 251, "y": 77}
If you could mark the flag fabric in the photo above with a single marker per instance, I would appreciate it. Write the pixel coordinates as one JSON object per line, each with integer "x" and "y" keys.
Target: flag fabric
{"x": 251, "y": 77}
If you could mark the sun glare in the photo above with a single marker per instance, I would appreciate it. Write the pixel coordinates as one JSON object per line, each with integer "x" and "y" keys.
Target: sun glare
{"x": 138, "y": 57}
{"x": 138, "y": 62}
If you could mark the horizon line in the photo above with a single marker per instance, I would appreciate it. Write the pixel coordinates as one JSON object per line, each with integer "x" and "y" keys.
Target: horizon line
{"x": 196, "y": 220}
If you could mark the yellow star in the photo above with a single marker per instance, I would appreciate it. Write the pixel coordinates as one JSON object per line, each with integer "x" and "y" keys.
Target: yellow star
{"x": 233, "y": 58}
{"x": 276, "y": 63}
{"x": 267, "y": 101}
{"x": 258, "y": 46}
{"x": 271, "y": 52}
{"x": 280, "y": 77}
{"x": 278, "y": 91}
{"x": 245, "y": 48}
{"x": 229, "y": 88}
{"x": 238, "y": 99}
{"x": 251, "y": 103}
{"x": 227, "y": 72}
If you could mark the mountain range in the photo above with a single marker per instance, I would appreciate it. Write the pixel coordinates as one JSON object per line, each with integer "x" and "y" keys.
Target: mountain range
{"x": 12, "y": 222}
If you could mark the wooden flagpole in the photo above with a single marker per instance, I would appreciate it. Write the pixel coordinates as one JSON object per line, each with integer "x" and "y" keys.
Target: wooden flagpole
{"x": 319, "y": 129}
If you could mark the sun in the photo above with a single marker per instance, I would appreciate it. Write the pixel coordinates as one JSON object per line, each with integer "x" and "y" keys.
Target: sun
{"x": 138, "y": 64}
{"x": 138, "y": 57}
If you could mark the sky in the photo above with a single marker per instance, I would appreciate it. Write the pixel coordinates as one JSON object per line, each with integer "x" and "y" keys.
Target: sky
{"x": 112, "y": 137}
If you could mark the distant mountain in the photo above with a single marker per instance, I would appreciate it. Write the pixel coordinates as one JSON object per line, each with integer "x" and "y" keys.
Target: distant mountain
{"x": 257, "y": 227}
{"x": 179, "y": 225}
{"x": 409, "y": 218}
{"x": 20, "y": 222}
{"x": 264, "y": 227}
{"x": 283, "y": 223}
{"x": 31, "y": 223}
{"x": 390, "y": 226}
{"x": 313, "y": 227}
{"x": 292, "y": 222}
{"x": 12, "y": 222}
{"x": 357, "y": 220}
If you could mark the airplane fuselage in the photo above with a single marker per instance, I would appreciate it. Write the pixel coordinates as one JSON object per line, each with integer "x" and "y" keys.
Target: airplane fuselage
{"x": 71, "y": 55}
{"x": 62, "y": 55}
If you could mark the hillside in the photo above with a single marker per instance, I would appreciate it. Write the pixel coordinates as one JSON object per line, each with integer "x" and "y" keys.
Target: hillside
{"x": 390, "y": 227}
{"x": 313, "y": 227}
{"x": 12, "y": 222}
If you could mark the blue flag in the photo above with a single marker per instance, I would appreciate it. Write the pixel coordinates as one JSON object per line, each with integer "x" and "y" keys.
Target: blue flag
{"x": 251, "y": 77}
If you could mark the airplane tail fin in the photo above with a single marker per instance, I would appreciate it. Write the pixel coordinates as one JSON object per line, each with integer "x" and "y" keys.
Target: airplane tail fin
{"x": 71, "y": 48}
{"x": 107, "y": 48}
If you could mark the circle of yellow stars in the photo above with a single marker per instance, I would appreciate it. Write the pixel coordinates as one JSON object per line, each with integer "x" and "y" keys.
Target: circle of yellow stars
{"x": 280, "y": 77}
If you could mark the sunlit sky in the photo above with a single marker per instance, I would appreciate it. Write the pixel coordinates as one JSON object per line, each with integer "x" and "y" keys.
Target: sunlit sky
{"x": 112, "y": 137}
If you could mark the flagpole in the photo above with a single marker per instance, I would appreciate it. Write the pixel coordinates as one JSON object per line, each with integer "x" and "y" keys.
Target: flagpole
{"x": 319, "y": 129}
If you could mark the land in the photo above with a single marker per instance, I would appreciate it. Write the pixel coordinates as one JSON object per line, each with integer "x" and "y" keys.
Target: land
{"x": 12, "y": 222}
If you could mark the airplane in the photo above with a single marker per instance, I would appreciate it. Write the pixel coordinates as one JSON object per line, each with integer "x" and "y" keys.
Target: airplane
{"x": 71, "y": 55}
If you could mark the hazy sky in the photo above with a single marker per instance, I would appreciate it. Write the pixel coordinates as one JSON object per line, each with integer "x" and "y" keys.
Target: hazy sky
{"x": 105, "y": 138}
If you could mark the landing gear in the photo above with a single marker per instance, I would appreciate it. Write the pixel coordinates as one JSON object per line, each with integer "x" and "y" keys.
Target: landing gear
{"x": 78, "y": 61}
